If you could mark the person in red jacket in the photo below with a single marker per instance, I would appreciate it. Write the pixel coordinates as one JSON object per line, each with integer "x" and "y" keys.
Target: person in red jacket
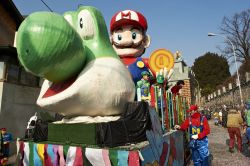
{"x": 199, "y": 129}
{"x": 175, "y": 89}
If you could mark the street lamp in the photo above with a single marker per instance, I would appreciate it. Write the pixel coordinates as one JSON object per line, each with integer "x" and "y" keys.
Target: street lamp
{"x": 236, "y": 66}
{"x": 198, "y": 90}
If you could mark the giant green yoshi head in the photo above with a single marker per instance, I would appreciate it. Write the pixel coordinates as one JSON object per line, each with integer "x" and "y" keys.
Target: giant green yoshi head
{"x": 83, "y": 74}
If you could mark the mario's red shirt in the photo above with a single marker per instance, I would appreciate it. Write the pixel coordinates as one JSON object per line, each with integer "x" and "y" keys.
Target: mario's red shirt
{"x": 175, "y": 89}
{"x": 195, "y": 118}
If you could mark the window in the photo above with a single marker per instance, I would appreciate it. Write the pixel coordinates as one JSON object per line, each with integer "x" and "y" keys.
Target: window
{"x": 28, "y": 79}
{"x": 2, "y": 70}
{"x": 18, "y": 75}
{"x": 12, "y": 73}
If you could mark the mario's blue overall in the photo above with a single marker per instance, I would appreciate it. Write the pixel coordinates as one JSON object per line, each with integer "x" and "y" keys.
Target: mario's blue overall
{"x": 136, "y": 68}
{"x": 199, "y": 147}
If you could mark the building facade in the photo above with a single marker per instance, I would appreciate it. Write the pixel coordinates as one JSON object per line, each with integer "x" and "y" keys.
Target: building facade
{"x": 182, "y": 72}
{"x": 18, "y": 89}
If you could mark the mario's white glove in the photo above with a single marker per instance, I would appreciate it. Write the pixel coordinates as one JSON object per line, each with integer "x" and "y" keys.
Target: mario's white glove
{"x": 195, "y": 136}
{"x": 177, "y": 127}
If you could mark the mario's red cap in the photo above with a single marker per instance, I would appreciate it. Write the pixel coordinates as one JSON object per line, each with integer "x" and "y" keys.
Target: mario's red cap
{"x": 3, "y": 129}
{"x": 128, "y": 17}
{"x": 192, "y": 108}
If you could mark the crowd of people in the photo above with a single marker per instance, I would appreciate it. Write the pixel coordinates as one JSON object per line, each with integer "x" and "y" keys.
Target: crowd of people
{"x": 237, "y": 121}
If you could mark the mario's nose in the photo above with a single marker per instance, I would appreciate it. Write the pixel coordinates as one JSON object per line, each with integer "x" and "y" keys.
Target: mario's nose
{"x": 127, "y": 43}
{"x": 126, "y": 39}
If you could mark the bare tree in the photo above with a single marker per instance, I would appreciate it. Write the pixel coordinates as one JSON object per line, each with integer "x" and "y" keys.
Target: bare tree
{"x": 237, "y": 29}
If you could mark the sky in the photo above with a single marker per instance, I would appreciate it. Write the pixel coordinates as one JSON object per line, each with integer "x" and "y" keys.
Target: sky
{"x": 174, "y": 25}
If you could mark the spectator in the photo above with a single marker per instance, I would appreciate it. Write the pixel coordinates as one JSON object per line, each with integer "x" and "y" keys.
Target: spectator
{"x": 247, "y": 117}
{"x": 6, "y": 138}
{"x": 199, "y": 129}
{"x": 216, "y": 118}
{"x": 234, "y": 121}
{"x": 224, "y": 116}
{"x": 175, "y": 89}
{"x": 220, "y": 117}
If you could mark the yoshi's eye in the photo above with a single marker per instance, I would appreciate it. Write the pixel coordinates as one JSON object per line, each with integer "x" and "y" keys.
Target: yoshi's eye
{"x": 81, "y": 23}
{"x": 85, "y": 27}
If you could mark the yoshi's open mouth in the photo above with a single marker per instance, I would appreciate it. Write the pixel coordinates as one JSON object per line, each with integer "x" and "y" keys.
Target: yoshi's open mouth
{"x": 56, "y": 88}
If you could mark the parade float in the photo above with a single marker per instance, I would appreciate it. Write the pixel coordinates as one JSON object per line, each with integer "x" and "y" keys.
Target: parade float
{"x": 87, "y": 83}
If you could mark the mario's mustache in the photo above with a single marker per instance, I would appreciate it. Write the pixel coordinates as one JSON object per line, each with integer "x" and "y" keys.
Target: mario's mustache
{"x": 129, "y": 45}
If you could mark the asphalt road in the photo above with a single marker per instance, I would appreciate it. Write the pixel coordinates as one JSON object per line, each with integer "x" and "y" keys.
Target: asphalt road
{"x": 218, "y": 145}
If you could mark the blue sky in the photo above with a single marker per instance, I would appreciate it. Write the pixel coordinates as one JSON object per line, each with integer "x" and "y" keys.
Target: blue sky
{"x": 172, "y": 24}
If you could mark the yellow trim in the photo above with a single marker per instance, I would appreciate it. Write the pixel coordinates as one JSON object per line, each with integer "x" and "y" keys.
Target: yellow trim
{"x": 140, "y": 64}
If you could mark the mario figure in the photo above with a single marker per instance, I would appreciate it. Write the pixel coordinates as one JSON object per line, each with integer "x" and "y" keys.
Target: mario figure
{"x": 199, "y": 129}
{"x": 128, "y": 37}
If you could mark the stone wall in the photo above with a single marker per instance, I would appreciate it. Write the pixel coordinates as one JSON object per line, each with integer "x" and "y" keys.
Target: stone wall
{"x": 229, "y": 97}
{"x": 186, "y": 92}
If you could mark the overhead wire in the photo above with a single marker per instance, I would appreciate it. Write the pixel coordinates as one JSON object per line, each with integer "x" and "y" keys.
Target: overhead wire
{"x": 47, "y": 6}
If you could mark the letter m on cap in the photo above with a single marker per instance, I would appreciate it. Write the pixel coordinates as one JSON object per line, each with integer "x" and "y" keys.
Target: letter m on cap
{"x": 126, "y": 15}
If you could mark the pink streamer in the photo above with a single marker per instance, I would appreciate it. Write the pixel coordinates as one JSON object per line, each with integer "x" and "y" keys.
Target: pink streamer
{"x": 61, "y": 156}
{"x": 105, "y": 155}
{"x": 133, "y": 158}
